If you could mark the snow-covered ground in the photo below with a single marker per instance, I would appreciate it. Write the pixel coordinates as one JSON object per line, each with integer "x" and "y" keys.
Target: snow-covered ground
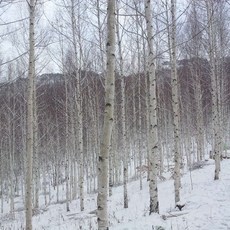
{"x": 207, "y": 207}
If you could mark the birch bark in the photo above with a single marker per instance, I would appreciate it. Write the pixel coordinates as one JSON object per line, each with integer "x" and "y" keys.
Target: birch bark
{"x": 103, "y": 158}
{"x": 78, "y": 107}
{"x": 214, "y": 88}
{"x": 123, "y": 117}
{"x": 153, "y": 121}
{"x": 175, "y": 103}
{"x": 30, "y": 113}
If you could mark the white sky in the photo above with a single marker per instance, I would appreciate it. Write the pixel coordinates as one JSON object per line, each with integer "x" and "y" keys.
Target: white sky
{"x": 15, "y": 44}
{"x": 11, "y": 44}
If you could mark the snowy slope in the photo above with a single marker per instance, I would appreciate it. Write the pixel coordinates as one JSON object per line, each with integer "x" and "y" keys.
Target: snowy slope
{"x": 207, "y": 207}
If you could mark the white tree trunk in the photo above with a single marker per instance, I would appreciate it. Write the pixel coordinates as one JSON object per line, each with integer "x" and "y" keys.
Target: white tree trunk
{"x": 36, "y": 158}
{"x": 123, "y": 118}
{"x": 103, "y": 158}
{"x": 214, "y": 87}
{"x": 29, "y": 144}
{"x": 153, "y": 121}
{"x": 175, "y": 104}
{"x": 78, "y": 107}
{"x": 66, "y": 144}
{"x": 11, "y": 134}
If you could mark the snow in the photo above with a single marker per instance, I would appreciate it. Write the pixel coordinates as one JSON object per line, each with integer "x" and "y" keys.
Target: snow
{"x": 207, "y": 207}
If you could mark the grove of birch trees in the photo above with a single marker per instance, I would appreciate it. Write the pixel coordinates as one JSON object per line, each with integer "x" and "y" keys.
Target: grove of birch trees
{"x": 93, "y": 94}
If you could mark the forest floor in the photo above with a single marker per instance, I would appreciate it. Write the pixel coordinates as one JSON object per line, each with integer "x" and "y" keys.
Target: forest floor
{"x": 207, "y": 206}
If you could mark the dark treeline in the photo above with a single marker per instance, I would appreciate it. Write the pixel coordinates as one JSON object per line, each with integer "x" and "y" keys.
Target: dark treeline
{"x": 51, "y": 132}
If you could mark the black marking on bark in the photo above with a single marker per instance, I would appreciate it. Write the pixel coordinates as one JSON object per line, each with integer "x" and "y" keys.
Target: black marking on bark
{"x": 108, "y": 104}
{"x": 100, "y": 158}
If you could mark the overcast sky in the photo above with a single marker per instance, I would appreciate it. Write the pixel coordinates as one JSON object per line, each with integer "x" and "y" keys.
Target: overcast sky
{"x": 15, "y": 44}
{"x": 12, "y": 34}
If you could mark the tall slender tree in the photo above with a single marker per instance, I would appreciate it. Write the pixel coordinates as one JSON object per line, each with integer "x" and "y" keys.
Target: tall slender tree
{"x": 153, "y": 129}
{"x": 175, "y": 101}
{"x": 214, "y": 85}
{"x": 123, "y": 115}
{"x": 78, "y": 96}
{"x": 103, "y": 158}
{"x": 30, "y": 116}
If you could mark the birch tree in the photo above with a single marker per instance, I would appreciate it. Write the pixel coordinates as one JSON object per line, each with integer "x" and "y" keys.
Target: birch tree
{"x": 123, "y": 115}
{"x": 153, "y": 129}
{"x": 30, "y": 113}
{"x": 214, "y": 86}
{"x": 175, "y": 101}
{"x": 36, "y": 157}
{"x": 103, "y": 158}
{"x": 78, "y": 97}
{"x": 194, "y": 51}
